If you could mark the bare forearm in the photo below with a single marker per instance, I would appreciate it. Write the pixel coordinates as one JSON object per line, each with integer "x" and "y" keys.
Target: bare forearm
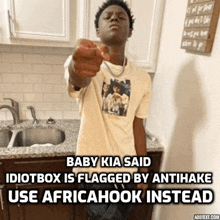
{"x": 140, "y": 140}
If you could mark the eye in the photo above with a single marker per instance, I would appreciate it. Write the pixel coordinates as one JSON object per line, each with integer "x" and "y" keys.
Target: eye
{"x": 107, "y": 17}
{"x": 122, "y": 18}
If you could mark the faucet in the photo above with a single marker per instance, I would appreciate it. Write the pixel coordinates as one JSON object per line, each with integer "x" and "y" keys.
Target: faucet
{"x": 14, "y": 110}
{"x": 35, "y": 121}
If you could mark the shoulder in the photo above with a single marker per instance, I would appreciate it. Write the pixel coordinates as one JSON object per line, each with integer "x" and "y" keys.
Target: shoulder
{"x": 140, "y": 73}
{"x": 137, "y": 68}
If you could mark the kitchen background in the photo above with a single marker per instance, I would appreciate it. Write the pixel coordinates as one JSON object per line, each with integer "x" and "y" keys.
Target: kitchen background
{"x": 34, "y": 76}
{"x": 185, "y": 105}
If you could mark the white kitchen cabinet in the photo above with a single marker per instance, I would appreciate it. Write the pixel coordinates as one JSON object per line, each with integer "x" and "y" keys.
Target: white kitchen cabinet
{"x": 38, "y": 22}
{"x": 143, "y": 46}
{"x": 58, "y": 23}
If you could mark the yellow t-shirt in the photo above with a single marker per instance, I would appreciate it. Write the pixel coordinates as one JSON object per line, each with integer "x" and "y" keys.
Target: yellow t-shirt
{"x": 108, "y": 106}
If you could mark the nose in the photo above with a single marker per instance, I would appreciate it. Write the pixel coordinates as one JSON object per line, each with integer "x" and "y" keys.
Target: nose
{"x": 114, "y": 17}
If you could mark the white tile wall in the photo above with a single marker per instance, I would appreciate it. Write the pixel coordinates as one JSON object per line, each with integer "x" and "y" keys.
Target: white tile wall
{"x": 34, "y": 76}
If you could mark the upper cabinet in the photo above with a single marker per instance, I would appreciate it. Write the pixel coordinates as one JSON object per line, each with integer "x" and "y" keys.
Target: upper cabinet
{"x": 59, "y": 23}
{"x": 143, "y": 45}
{"x": 38, "y": 22}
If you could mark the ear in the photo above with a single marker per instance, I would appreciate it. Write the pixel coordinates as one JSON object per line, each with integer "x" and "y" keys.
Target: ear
{"x": 97, "y": 32}
{"x": 130, "y": 33}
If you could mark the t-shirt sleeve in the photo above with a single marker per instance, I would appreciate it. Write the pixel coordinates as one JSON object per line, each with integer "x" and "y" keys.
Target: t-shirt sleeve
{"x": 143, "y": 109}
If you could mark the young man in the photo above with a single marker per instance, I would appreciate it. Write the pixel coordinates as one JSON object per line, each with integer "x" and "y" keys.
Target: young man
{"x": 109, "y": 127}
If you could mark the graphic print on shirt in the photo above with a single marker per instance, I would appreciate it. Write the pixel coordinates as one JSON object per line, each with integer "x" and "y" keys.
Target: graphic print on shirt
{"x": 116, "y": 97}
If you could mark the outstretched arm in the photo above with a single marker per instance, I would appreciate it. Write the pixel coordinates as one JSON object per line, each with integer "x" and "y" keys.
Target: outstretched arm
{"x": 86, "y": 60}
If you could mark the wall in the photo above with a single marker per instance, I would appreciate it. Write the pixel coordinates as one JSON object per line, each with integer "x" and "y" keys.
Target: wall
{"x": 185, "y": 114}
{"x": 34, "y": 76}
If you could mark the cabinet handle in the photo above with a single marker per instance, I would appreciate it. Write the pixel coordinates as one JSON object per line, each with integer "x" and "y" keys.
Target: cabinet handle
{"x": 18, "y": 203}
{"x": 9, "y": 24}
{"x": 1, "y": 199}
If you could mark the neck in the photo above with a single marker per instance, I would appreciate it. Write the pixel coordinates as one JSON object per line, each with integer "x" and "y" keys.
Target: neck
{"x": 116, "y": 55}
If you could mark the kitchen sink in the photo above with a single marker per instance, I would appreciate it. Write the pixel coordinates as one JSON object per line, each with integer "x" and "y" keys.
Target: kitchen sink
{"x": 5, "y": 136}
{"x": 32, "y": 136}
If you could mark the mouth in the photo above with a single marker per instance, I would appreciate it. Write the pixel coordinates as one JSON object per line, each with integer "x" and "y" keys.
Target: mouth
{"x": 114, "y": 26}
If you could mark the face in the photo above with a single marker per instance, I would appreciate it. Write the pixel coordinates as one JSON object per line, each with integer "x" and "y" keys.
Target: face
{"x": 116, "y": 89}
{"x": 114, "y": 27}
{"x": 106, "y": 87}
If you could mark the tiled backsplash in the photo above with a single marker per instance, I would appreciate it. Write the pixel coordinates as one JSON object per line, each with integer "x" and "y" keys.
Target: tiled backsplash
{"x": 34, "y": 76}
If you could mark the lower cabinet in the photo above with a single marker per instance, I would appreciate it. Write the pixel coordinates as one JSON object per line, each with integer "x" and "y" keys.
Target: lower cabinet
{"x": 57, "y": 211}
{"x": 4, "y": 211}
{"x": 39, "y": 211}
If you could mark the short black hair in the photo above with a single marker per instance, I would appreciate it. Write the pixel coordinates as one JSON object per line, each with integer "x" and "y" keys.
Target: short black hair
{"x": 120, "y": 3}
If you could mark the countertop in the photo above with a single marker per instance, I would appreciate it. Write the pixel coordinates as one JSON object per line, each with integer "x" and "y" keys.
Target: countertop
{"x": 68, "y": 147}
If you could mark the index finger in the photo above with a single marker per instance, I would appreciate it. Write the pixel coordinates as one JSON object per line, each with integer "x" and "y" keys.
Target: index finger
{"x": 85, "y": 52}
{"x": 86, "y": 43}
{"x": 103, "y": 50}
{"x": 88, "y": 49}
